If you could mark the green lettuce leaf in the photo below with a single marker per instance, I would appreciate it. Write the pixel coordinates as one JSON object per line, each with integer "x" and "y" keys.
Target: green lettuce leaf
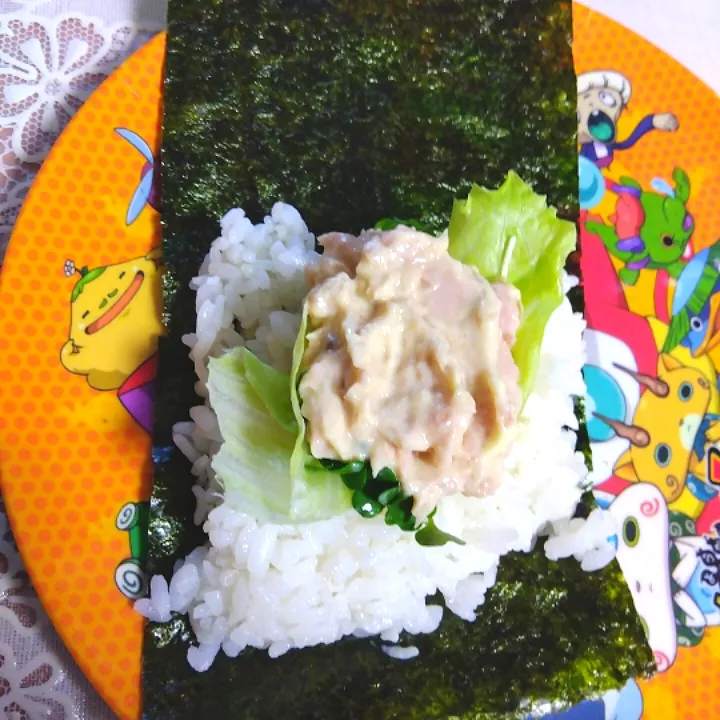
{"x": 512, "y": 235}
{"x": 297, "y": 357}
{"x": 263, "y": 463}
{"x": 322, "y": 490}
{"x": 273, "y": 387}
{"x": 253, "y": 464}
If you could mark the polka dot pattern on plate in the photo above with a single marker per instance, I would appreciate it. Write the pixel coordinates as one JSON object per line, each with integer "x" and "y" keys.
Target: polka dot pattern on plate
{"x": 72, "y": 456}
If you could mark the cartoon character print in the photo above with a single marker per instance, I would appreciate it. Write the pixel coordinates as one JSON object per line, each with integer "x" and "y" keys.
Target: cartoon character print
{"x": 652, "y": 416}
{"x": 603, "y": 95}
{"x": 641, "y": 516}
{"x": 699, "y": 497}
{"x": 673, "y": 572}
{"x": 663, "y": 432}
{"x": 653, "y": 400}
{"x": 114, "y": 326}
{"x": 654, "y": 423}
{"x": 695, "y": 576}
{"x": 658, "y": 431}
{"x": 148, "y": 189}
{"x": 649, "y": 229}
{"x": 620, "y": 348}
{"x": 695, "y": 319}
{"x": 612, "y": 396}
{"x": 130, "y": 577}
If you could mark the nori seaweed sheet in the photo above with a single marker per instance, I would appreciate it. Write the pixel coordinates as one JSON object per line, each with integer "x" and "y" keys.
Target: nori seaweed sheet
{"x": 354, "y": 110}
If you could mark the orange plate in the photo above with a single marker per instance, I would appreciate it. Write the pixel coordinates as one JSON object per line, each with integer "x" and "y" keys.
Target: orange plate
{"x": 687, "y": 689}
{"x": 74, "y": 341}
{"x": 75, "y": 464}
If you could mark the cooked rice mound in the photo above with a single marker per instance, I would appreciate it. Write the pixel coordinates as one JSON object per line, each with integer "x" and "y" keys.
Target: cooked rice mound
{"x": 291, "y": 586}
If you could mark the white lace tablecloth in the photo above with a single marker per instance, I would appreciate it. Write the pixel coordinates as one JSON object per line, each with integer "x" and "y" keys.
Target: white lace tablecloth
{"x": 53, "y": 54}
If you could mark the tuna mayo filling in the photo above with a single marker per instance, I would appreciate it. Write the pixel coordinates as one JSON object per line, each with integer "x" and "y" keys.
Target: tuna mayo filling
{"x": 409, "y": 363}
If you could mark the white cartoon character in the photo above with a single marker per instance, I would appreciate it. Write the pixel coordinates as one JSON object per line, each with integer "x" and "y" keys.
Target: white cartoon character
{"x": 603, "y": 95}
{"x": 641, "y": 514}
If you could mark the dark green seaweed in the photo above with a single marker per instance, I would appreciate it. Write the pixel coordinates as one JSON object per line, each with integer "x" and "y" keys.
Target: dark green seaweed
{"x": 547, "y": 630}
{"x": 356, "y": 110}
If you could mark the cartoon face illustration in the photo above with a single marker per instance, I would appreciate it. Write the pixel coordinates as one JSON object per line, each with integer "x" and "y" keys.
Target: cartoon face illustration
{"x": 642, "y": 551}
{"x": 602, "y": 97}
{"x": 664, "y": 427}
{"x": 114, "y": 320}
{"x": 695, "y": 322}
{"x": 649, "y": 229}
{"x": 668, "y": 224}
{"x": 599, "y": 106}
{"x": 701, "y": 362}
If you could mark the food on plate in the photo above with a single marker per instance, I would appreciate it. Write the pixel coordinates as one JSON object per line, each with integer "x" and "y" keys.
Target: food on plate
{"x": 409, "y": 363}
{"x": 354, "y": 113}
{"x": 382, "y": 422}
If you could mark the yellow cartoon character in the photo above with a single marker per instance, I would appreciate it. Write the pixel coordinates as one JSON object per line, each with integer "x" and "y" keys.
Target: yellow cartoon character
{"x": 685, "y": 355}
{"x": 664, "y": 428}
{"x": 115, "y": 321}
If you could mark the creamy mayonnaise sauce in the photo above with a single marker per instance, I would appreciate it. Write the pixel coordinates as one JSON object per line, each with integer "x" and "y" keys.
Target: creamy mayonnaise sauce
{"x": 409, "y": 363}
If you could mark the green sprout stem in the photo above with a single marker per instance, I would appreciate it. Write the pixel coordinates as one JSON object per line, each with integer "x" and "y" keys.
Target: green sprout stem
{"x": 374, "y": 494}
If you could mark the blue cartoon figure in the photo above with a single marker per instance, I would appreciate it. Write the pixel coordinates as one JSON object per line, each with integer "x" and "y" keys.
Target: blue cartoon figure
{"x": 695, "y": 563}
{"x": 695, "y": 322}
{"x": 148, "y": 190}
{"x": 624, "y": 704}
{"x": 602, "y": 97}
{"x": 591, "y": 184}
{"x": 699, "y": 480}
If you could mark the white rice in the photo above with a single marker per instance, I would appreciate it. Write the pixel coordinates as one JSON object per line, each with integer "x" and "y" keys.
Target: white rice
{"x": 279, "y": 587}
{"x": 400, "y": 653}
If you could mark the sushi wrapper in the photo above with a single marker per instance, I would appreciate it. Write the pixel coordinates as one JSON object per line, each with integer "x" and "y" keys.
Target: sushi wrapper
{"x": 354, "y": 110}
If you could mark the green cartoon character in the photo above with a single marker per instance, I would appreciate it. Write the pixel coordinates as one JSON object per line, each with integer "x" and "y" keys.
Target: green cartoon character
{"x": 649, "y": 229}
{"x": 130, "y": 577}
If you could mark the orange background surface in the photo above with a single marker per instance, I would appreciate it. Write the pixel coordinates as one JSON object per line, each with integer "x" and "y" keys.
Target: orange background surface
{"x": 63, "y": 478}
